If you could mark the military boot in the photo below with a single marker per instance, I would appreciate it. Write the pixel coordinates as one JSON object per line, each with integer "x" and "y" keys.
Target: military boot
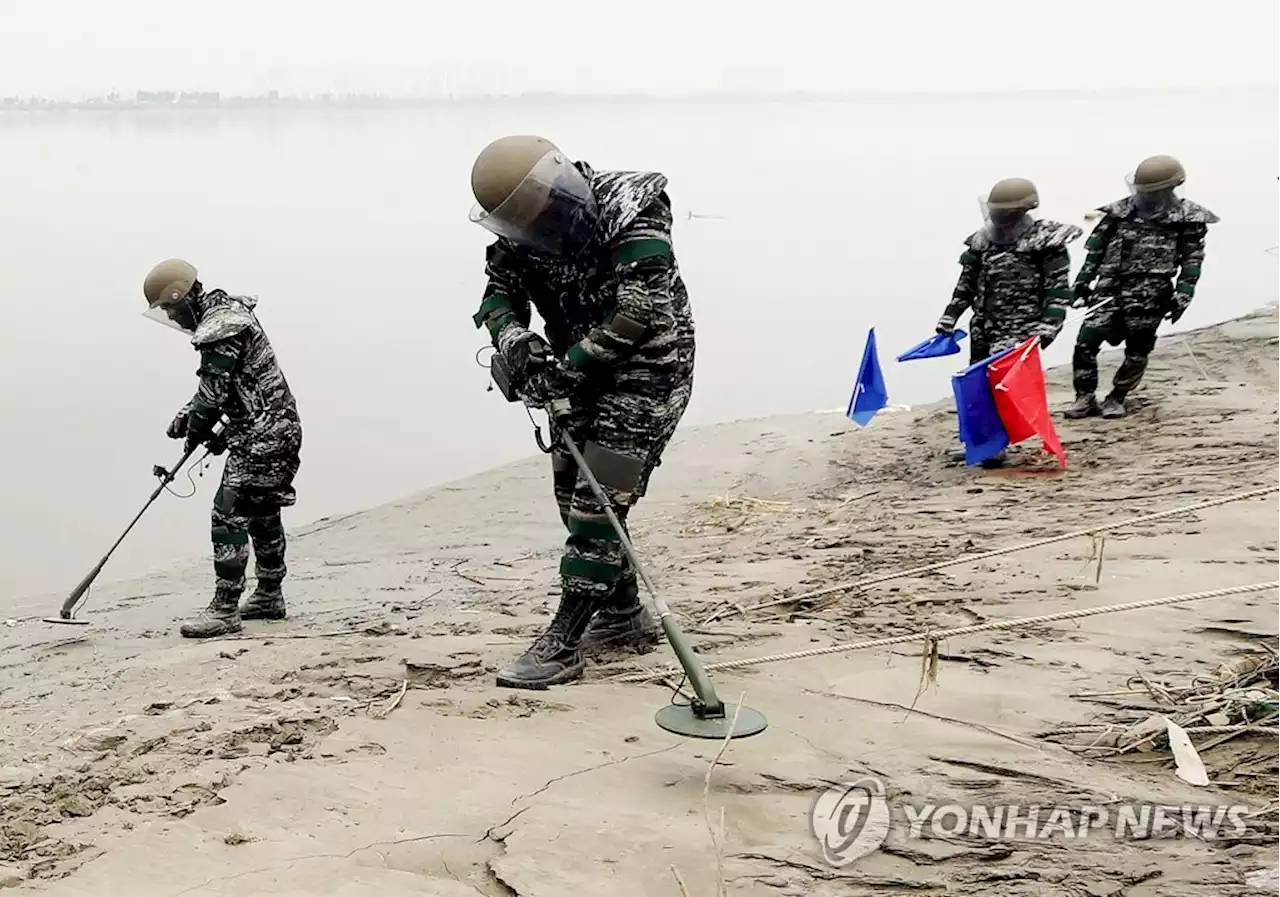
{"x": 221, "y": 617}
{"x": 1113, "y": 406}
{"x": 1084, "y": 406}
{"x": 266, "y": 602}
{"x": 622, "y": 623}
{"x": 555, "y": 656}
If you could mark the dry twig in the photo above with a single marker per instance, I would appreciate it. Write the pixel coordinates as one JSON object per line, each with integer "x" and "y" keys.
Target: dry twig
{"x": 718, "y": 843}
{"x": 684, "y": 891}
{"x": 393, "y": 703}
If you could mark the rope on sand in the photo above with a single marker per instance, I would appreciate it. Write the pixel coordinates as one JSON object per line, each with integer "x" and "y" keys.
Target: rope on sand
{"x": 1190, "y": 730}
{"x": 974, "y": 558}
{"x": 932, "y": 638}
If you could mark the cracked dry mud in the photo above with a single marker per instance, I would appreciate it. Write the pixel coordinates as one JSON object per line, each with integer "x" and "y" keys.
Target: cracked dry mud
{"x": 360, "y": 748}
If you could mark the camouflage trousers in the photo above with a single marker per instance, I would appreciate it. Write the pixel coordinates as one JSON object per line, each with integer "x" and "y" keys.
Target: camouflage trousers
{"x": 594, "y": 563}
{"x": 1131, "y": 319}
{"x": 987, "y": 338}
{"x": 246, "y": 508}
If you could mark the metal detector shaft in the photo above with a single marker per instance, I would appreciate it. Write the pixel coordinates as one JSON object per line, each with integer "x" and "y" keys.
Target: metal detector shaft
{"x": 68, "y": 606}
{"x": 711, "y": 706}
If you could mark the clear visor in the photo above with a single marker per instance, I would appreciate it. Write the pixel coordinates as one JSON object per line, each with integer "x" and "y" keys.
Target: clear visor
{"x": 180, "y": 315}
{"x": 1150, "y": 198}
{"x": 1003, "y": 225}
{"x": 552, "y": 210}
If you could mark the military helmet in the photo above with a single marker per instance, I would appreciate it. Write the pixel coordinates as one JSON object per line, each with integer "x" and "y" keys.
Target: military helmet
{"x": 504, "y": 164}
{"x": 168, "y": 282}
{"x": 529, "y": 192}
{"x": 1158, "y": 173}
{"x": 1013, "y": 194}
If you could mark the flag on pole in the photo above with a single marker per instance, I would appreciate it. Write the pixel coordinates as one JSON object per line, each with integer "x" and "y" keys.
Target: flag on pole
{"x": 981, "y": 429}
{"x": 936, "y": 346}
{"x": 1001, "y": 401}
{"x": 869, "y": 393}
{"x": 1017, "y": 381}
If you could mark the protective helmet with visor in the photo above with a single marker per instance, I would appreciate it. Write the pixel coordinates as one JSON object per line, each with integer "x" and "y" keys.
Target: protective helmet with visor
{"x": 1152, "y": 183}
{"x": 1005, "y": 209}
{"x": 168, "y": 291}
{"x": 528, "y": 191}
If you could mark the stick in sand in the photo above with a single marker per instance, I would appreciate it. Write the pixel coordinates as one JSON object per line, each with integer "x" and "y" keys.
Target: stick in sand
{"x": 718, "y": 844}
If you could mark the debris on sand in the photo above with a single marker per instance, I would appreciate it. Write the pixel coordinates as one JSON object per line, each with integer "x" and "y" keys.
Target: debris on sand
{"x": 1237, "y": 699}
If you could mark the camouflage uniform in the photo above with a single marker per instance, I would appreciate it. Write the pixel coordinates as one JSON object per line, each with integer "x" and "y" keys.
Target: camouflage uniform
{"x": 617, "y": 315}
{"x": 240, "y": 377}
{"x": 1014, "y": 290}
{"x": 1149, "y": 267}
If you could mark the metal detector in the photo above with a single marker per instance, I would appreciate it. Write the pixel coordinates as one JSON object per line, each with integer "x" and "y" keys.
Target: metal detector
{"x": 66, "y": 614}
{"x": 705, "y": 715}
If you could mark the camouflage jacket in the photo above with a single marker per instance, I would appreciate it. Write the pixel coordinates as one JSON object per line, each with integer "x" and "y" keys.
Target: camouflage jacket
{"x": 1170, "y": 244}
{"x": 618, "y": 315}
{"x": 1018, "y": 290}
{"x": 240, "y": 377}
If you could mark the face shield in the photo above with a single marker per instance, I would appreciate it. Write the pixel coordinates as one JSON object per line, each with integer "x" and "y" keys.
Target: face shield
{"x": 1147, "y": 200}
{"x": 1003, "y": 225}
{"x": 552, "y": 210}
{"x": 180, "y": 315}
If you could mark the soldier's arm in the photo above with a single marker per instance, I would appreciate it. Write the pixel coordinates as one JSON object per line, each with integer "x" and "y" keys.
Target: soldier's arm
{"x": 1095, "y": 249}
{"x": 965, "y": 291}
{"x": 504, "y": 309}
{"x": 217, "y": 362}
{"x": 644, "y": 263}
{"x": 1057, "y": 289}
{"x": 1190, "y": 260}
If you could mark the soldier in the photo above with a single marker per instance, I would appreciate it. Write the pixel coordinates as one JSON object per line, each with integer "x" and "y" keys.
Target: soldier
{"x": 1145, "y": 253}
{"x": 591, "y": 251}
{"x": 1013, "y": 276}
{"x": 239, "y": 378}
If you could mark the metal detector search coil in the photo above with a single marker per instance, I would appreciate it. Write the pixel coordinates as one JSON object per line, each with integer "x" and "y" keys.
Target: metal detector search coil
{"x": 66, "y": 614}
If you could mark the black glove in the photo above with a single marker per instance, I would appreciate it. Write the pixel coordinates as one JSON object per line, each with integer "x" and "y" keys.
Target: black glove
{"x": 526, "y": 356}
{"x": 1176, "y": 312}
{"x": 178, "y": 427}
{"x": 198, "y": 431}
{"x": 216, "y": 444}
{"x": 1083, "y": 293}
{"x": 1046, "y": 340}
{"x": 551, "y": 383}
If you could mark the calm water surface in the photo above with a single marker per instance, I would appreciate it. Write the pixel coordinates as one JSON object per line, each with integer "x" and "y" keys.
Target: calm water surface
{"x": 351, "y": 228}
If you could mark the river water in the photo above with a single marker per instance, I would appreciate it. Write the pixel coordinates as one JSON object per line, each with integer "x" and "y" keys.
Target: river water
{"x": 798, "y": 227}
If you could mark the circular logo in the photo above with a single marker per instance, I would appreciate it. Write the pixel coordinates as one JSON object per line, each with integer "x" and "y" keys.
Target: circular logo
{"x": 850, "y": 821}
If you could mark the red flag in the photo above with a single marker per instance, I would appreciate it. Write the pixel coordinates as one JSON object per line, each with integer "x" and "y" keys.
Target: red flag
{"x": 1017, "y": 382}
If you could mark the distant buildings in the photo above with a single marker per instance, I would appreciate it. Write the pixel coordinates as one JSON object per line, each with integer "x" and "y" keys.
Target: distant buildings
{"x": 147, "y": 100}
{"x": 173, "y": 99}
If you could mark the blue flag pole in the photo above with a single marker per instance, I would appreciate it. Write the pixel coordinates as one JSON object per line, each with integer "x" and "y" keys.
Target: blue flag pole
{"x": 936, "y": 346}
{"x": 869, "y": 392}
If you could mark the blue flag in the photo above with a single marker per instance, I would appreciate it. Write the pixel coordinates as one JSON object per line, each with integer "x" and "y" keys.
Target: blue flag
{"x": 936, "y": 346}
{"x": 869, "y": 393}
{"x": 981, "y": 429}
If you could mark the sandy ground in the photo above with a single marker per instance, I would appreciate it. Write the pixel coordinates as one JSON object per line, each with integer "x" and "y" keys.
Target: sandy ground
{"x": 137, "y": 763}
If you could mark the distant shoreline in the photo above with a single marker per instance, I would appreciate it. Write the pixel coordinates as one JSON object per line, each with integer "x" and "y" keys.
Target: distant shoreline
{"x": 174, "y": 101}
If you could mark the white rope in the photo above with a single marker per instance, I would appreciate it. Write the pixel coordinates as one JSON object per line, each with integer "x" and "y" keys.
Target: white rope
{"x": 1088, "y": 310}
{"x": 974, "y": 558}
{"x": 934, "y": 637}
{"x": 1190, "y": 730}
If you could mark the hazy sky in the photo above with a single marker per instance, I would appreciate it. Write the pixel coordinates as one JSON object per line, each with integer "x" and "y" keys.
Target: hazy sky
{"x": 74, "y": 48}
